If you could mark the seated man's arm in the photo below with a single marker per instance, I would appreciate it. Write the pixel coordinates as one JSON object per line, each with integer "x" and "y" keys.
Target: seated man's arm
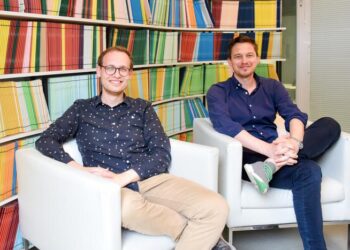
{"x": 51, "y": 140}
{"x": 220, "y": 116}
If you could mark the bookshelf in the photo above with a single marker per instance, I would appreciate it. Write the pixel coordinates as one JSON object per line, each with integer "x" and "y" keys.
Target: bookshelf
{"x": 169, "y": 73}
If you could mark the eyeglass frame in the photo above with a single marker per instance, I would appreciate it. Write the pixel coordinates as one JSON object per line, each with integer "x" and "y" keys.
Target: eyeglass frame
{"x": 117, "y": 69}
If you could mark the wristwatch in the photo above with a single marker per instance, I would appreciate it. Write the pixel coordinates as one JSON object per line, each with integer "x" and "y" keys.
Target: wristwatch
{"x": 300, "y": 143}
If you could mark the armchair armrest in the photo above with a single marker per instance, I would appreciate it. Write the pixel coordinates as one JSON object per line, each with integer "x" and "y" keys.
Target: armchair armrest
{"x": 337, "y": 157}
{"x": 55, "y": 201}
{"x": 335, "y": 162}
{"x": 230, "y": 156}
{"x": 195, "y": 162}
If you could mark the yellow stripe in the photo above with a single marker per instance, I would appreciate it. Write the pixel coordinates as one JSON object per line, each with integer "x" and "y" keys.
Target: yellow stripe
{"x": 272, "y": 71}
{"x": 109, "y": 8}
{"x": 33, "y": 47}
{"x": 258, "y": 40}
{"x": 8, "y": 102}
{"x": 4, "y": 35}
{"x": 265, "y": 14}
{"x": 160, "y": 83}
{"x": 270, "y": 45}
{"x": 145, "y": 84}
{"x": 94, "y": 9}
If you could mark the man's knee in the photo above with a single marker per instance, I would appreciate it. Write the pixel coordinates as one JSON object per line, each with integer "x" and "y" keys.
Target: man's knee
{"x": 216, "y": 207}
{"x": 333, "y": 126}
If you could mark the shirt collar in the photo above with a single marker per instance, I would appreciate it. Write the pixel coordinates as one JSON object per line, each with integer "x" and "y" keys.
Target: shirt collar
{"x": 236, "y": 84}
{"x": 97, "y": 100}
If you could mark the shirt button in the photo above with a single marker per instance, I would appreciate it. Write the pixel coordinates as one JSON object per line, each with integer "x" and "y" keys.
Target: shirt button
{"x": 253, "y": 126}
{"x": 250, "y": 105}
{"x": 127, "y": 161}
{"x": 246, "y": 93}
{"x": 113, "y": 123}
{"x": 261, "y": 133}
{"x": 254, "y": 117}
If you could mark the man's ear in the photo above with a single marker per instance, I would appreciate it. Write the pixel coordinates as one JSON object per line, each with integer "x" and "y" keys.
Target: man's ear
{"x": 98, "y": 71}
{"x": 229, "y": 62}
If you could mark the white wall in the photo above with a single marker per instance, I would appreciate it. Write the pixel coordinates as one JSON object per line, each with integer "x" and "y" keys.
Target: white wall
{"x": 330, "y": 60}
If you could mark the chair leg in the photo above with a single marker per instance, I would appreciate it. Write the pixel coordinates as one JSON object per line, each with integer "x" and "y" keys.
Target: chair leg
{"x": 26, "y": 244}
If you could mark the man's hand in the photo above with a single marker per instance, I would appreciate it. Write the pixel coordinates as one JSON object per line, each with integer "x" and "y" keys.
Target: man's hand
{"x": 284, "y": 151}
{"x": 122, "y": 179}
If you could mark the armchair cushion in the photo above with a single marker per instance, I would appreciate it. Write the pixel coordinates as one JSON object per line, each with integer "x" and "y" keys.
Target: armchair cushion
{"x": 332, "y": 191}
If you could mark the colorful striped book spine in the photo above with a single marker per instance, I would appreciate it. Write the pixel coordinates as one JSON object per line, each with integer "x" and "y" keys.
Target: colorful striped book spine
{"x": 40, "y": 46}
{"x": 63, "y": 91}
{"x": 23, "y": 107}
{"x": 138, "y": 85}
{"x": 136, "y": 42}
{"x": 8, "y": 225}
{"x": 246, "y": 14}
{"x": 164, "y": 83}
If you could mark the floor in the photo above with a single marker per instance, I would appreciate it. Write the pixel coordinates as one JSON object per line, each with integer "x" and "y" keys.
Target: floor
{"x": 286, "y": 239}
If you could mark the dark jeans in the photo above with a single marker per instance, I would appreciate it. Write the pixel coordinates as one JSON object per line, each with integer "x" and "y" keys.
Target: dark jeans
{"x": 304, "y": 179}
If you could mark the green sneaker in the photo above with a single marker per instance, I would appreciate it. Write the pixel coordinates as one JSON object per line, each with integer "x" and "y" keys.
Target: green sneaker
{"x": 260, "y": 174}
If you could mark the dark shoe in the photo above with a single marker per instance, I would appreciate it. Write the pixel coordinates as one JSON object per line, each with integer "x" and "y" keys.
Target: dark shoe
{"x": 223, "y": 245}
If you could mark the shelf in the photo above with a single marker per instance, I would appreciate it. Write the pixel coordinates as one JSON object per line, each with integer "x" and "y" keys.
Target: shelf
{"x": 46, "y": 73}
{"x": 20, "y": 135}
{"x": 8, "y": 200}
{"x": 289, "y": 86}
{"x": 176, "y": 99}
{"x": 180, "y": 132}
{"x": 93, "y": 70}
{"x": 65, "y": 19}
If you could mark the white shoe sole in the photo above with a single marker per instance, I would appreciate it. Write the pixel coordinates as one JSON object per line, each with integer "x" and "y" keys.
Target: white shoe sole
{"x": 252, "y": 177}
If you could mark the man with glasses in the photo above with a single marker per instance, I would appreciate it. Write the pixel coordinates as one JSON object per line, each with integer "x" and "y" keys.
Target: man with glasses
{"x": 121, "y": 138}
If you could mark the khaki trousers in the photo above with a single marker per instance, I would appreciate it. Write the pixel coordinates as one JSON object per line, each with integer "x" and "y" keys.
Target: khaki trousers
{"x": 190, "y": 214}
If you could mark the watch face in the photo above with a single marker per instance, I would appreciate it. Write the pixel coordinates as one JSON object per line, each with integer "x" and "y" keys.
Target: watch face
{"x": 301, "y": 145}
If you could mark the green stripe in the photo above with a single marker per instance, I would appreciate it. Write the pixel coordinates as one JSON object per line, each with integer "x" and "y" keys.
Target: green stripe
{"x": 43, "y": 6}
{"x": 37, "y": 47}
{"x": 29, "y": 105}
{"x": 63, "y": 8}
{"x": 94, "y": 47}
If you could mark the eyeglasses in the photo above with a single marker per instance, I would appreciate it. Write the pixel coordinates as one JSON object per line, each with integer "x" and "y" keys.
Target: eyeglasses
{"x": 110, "y": 70}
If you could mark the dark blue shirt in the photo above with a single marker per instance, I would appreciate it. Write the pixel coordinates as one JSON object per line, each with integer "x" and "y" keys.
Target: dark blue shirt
{"x": 128, "y": 136}
{"x": 232, "y": 109}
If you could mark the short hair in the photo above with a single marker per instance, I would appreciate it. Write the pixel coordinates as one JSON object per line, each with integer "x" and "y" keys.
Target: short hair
{"x": 242, "y": 39}
{"x": 115, "y": 48}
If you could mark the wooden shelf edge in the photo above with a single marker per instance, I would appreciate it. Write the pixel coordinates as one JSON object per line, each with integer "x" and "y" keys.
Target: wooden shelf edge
{"x": 20, "y": 135}
{"x": 87, "y": 21}
{"x": 8, "y": 200}
{"x": 155, "y": 103}
{"x": 180, "y": 132}
{"x": 93, "y": 70}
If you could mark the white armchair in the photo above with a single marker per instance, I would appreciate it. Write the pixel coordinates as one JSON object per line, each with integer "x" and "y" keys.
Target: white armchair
{"x": 61, "y": 207}
{"x": 249, "y": 209}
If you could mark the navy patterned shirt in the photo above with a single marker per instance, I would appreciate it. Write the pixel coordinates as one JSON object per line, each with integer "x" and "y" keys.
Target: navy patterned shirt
{"x": 232, "y": 109}
{"x": 128, "y": 136}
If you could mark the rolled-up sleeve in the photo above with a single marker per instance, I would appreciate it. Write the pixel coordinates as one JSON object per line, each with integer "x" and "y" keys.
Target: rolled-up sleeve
{"x": 50, "y": 141}
{"x": 219, "y": 112}
{"x": 286, "y": 108}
